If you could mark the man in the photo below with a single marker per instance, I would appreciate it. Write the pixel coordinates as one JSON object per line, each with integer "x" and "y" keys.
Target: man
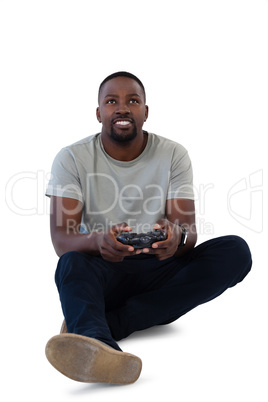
{"x": 121, "y": 180}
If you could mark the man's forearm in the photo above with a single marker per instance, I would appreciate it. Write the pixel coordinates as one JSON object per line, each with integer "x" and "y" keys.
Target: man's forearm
{"x": 64, "y": 242}
{"x": 189, "y": 245}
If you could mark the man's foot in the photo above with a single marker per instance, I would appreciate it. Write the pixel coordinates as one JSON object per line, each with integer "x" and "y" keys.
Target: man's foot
{"x": 89, "y": 360}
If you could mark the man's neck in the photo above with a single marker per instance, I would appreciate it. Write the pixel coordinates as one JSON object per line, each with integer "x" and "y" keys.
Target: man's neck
{"x": 125, "y": 151}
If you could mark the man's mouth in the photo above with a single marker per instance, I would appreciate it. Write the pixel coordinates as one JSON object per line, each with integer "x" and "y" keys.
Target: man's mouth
{"x": 124, "y": 123}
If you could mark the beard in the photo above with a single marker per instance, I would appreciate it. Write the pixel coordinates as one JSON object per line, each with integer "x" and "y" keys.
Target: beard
{"x": 123, "y": 138}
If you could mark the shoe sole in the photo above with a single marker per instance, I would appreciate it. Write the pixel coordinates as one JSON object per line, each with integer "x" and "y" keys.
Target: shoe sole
{"x": 88, "y": 360}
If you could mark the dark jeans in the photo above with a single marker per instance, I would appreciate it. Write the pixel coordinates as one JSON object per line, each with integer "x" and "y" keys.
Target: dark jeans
{"x": 109, "y": 301}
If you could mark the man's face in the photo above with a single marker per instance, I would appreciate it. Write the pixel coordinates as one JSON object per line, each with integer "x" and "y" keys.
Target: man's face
{"x": 122, "y": 110}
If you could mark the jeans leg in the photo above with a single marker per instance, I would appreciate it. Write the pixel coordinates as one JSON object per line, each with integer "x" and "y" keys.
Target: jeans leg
{"x": 207, "y": 272}
{"x": 81, "y": 280}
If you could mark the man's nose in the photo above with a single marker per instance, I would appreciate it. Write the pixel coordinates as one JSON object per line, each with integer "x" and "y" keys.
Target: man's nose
{"x": 123, "y": 108}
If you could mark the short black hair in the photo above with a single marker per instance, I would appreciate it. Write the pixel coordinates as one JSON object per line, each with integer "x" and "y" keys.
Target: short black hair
{"x": 123, "y": 74}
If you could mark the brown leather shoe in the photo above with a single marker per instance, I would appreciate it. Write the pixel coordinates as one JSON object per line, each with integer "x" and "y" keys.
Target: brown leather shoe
{"x": 89, "y": 360}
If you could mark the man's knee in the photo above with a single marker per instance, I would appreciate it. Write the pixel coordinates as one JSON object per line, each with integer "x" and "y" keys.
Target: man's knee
{"x": 241, "y": 255}
{"x": 72, "y": 265}
{"x": 226, "y": 259}
{"x": 234, "y": 259}
{"x": 71, "y": 257}
{"x": 70, "y": 260}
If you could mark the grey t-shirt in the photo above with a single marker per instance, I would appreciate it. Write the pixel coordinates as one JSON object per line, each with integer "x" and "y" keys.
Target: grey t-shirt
{"x": 113, "y": 191}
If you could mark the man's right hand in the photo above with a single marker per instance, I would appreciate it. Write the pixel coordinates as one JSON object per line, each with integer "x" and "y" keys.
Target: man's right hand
{"x": 112, "y": 250}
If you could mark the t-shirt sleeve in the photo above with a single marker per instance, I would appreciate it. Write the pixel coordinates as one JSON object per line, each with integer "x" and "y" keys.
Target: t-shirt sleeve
{"x": 181, "y": 175}
{"x": 64, "y": 180}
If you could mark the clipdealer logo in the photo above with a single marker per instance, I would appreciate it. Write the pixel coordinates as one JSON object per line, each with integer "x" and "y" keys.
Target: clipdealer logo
{"x": 245, "y": 201}
{"x": 34, "y": 185}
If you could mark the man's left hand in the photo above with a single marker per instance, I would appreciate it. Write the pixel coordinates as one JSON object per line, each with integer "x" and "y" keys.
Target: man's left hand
{"x": 166, "y": 248}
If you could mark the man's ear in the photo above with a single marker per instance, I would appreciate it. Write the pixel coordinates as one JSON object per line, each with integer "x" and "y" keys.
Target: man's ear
{"x": 98, "y": 115}
{"x": 146, "y": 112}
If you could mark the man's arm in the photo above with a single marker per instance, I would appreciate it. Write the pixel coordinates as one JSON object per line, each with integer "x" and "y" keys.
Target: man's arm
{"x": 182, "y": 212}
{"x": 178, "y": 212}
{"x": 65, "y": 221}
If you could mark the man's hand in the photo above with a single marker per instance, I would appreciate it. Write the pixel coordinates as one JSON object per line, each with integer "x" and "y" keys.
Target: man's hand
{"x": 112, "y": 250}
{"x": 167, "y": 248}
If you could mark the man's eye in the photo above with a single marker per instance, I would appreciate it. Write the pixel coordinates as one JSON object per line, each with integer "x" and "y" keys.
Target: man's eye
{"x": 133, "y": 101}
{"x": 111, "y": 101}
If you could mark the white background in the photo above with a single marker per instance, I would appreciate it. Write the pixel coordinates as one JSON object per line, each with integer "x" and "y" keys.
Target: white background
{"x": 204, "y": 65}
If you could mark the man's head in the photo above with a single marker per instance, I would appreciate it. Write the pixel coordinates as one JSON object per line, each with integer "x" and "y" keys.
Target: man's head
{"x": 122, "y": 109}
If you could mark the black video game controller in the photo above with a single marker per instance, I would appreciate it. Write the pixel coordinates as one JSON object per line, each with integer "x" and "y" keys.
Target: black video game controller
{"x": 141, "y": 240}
